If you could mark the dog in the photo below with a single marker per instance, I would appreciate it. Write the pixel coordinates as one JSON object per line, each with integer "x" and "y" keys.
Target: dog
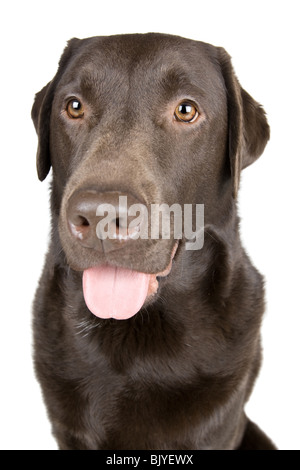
{"x": 147, "y": 342}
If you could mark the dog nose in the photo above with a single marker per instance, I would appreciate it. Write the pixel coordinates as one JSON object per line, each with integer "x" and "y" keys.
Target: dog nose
{"x": 94, "y": 217}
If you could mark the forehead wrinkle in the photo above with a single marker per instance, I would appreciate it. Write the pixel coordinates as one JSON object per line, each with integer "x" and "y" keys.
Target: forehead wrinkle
{"x": 93, "y": 80}
{"x": 175, "y": 82}
{"x": 103, "y": 79}
{"x": 95, "y": 72}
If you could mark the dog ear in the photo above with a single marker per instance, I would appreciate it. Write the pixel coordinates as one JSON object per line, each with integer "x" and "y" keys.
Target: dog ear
{"x": 41, "y": 112}
{"x": 248, "y": 129}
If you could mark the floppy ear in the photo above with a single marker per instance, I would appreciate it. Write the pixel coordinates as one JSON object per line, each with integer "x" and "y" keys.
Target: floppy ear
{"x": 248, "y": 128}
{"x": 41, "y": 112}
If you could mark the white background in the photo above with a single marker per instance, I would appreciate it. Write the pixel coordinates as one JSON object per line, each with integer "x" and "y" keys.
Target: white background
{"x": 263, "y": 39}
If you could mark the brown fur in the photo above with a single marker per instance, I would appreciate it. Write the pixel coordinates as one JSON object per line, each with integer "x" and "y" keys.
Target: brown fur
{"x": 178, "y": 374}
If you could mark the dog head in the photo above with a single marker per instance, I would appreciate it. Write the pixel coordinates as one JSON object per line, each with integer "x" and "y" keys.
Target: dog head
{"x": 156, "y": 119}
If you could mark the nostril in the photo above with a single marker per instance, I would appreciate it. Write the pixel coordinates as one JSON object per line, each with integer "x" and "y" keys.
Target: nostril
{"x": 78, "y": 220}
{"x": 83, "y": 221}
{"x": 122, "y": 228}
{"x": 80, "y": 229}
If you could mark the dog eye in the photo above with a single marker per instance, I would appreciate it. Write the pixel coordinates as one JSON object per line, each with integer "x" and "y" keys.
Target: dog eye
{"x": 186, "y": 112}
{"x": 75, "y": 109}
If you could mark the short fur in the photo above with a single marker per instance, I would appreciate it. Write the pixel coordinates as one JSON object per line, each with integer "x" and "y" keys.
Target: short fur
{"x": 178, "y": 374}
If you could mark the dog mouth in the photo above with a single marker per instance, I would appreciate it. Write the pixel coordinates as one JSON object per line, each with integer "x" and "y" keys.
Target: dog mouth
{"x": 119, "y": 293}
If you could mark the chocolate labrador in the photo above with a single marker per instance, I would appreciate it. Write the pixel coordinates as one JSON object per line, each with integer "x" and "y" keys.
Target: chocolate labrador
{"x": 147, "y": 337}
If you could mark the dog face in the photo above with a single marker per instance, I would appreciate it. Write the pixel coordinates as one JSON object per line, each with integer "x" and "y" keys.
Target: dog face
{"x": 154, "y": 118}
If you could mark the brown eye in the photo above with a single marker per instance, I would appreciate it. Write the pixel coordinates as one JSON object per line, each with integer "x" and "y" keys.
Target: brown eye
{"x": 75, "y": 109}
{"x": 186, "y": 112}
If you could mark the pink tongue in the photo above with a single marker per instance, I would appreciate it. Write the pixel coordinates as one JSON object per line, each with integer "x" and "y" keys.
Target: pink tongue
{"x": 111, "y": 292}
